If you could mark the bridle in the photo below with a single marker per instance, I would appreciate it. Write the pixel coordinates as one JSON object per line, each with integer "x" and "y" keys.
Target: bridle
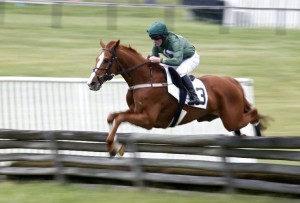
{"x": 108, "y": 75}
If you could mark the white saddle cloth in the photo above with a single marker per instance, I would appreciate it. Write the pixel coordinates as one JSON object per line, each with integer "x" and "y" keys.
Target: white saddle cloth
{"x": 198, "y": 85}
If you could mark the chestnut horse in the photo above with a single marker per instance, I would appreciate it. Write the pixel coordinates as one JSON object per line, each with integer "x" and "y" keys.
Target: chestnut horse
{"x": 150, "y": 105}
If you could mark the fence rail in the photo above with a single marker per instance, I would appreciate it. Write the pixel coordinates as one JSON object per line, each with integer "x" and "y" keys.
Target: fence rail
{"x": 140, "y": 5}
{"x": 63, "y": 154}
{"x": 281, "y": 14}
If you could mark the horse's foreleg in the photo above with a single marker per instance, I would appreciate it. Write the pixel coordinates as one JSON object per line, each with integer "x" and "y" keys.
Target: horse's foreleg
{"x": 139, "y": 119}
{"x": 110, "y": 120}
{"x": 111, "y": 117}
{"x": 113, "y": 146}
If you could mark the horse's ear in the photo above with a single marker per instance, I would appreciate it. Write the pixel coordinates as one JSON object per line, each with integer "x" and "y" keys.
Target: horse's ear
{"x": 102, "y": 43}
{"x": 116, "y": 44}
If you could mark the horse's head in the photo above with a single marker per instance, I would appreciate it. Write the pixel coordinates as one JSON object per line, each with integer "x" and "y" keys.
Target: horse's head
{"x": 106, "y": 65}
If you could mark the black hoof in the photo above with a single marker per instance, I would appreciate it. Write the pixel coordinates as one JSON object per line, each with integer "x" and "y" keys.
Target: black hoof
{"x": 257, "y": 130}
{"x": 112, "y": 154}
{"x": 237, "y": 133}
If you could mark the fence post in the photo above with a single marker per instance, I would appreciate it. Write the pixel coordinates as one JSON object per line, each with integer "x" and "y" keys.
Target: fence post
{"x": 135, "y": 163}
{"x": 111, "y": 17}
{"x": 56, "y": 14}
{"x": 169, "y": 17}
{"x": 281, "y": 21}
{"x": 2, "y": 12}
{"x": 53, "y": 145}
{"x": 224, "y": 28}
{"x": 226, "y": 171}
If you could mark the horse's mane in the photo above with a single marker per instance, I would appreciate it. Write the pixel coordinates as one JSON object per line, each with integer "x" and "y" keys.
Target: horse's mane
{"x": 128, "y": 48}
{"x": 131, "y": 50}
{"x": 136, "y": 54}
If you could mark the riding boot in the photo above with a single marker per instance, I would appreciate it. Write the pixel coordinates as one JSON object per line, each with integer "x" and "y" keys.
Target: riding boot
{"x": 194, "y": 100}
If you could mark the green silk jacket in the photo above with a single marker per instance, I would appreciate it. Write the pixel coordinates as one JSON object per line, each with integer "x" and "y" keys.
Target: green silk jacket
{"x": 175, "y": 48}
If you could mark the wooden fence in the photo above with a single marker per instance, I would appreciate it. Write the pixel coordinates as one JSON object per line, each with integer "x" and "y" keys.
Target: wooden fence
{"x": 64, "y": 154}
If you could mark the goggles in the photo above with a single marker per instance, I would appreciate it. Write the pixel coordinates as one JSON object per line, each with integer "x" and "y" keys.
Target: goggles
{"x": 155, "y": 37}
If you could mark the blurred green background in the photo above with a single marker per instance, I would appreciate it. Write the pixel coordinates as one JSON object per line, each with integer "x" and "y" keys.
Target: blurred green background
{"x": 54, "y": 193}
{"x": 31, "y": 46}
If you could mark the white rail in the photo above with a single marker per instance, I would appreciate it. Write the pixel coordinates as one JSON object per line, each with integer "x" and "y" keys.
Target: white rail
{"x": 34, "y": 103}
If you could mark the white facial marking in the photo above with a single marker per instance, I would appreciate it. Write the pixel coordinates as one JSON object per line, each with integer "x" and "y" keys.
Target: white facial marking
{"x": 100, "y": 59}
{"x": 91, "y": 78}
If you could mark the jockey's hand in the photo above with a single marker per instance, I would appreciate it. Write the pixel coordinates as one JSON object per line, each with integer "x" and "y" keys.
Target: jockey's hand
{"x": 154, "y": 59}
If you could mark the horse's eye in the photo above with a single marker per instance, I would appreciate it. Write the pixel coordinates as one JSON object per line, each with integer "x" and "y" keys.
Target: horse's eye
{"x": 106, "y": 60}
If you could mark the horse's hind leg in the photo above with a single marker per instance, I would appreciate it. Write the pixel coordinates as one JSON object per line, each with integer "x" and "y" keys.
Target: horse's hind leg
{"x": 251, "y": 117}
{"x": 240, "y": 113}
{"x": 257, "y": 129}
{"x": 238, "y": 120}
{"x": 237, "y": 133}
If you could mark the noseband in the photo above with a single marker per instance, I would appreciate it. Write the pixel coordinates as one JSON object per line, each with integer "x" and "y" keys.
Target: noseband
{"x": 108, "y": 75}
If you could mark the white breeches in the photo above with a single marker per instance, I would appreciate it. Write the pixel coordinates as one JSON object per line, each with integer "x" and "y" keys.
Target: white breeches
{"x": 188, "y": 65}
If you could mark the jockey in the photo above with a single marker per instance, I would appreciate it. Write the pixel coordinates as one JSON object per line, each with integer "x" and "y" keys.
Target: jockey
{"x": 179, "y": 52}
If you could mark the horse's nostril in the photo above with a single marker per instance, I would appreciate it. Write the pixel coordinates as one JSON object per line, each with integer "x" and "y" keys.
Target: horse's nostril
{"x": 92, "y": 84}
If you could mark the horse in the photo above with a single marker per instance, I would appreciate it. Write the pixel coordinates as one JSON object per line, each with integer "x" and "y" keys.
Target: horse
{"x": 150, "y": 105}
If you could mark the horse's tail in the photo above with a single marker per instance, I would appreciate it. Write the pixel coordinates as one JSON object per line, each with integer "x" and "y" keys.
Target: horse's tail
{"x": 264, "y": 121}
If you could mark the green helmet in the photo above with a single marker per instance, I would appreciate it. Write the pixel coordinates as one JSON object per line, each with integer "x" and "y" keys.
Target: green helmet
{"x": 158, "y": 30}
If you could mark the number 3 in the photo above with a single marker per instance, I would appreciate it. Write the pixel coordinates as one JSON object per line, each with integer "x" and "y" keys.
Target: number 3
{"x": 202, "y": 94}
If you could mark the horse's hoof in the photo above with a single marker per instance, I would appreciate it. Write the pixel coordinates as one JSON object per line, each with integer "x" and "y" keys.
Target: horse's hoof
{"x": 121, "y": 150}
{"x": 112, "y": 154}
{"x": 110, "y": 118}
{"x": 115, "y": 149}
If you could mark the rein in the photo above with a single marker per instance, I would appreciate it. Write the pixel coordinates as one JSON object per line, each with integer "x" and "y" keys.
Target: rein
{"x": 131, "y": 68}
{"x": 108, "y": 76}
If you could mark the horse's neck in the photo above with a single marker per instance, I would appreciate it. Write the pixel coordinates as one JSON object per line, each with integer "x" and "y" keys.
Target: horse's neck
{"x": 141, "y": 75}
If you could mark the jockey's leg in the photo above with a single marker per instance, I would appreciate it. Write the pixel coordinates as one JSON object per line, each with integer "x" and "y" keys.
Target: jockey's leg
{"x": 187, "y": 66}
{"x": 194, "y": 100}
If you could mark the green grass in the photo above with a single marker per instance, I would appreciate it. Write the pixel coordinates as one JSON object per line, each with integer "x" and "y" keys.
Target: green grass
{"x": 50, "y": 193}
{"x": 31, "y": 47}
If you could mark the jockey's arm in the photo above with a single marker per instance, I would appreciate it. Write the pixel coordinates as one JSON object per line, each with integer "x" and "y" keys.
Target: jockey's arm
{"x": 177, "y": 57}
